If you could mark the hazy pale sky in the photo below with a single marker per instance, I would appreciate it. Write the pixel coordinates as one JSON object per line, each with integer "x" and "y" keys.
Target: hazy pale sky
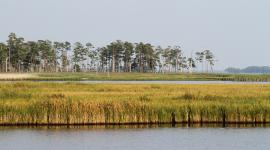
{"x": 237, "y": 31}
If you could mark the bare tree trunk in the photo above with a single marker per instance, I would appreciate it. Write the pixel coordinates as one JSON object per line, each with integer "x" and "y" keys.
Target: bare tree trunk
{"x": 176, "y": 65}
{"x": 142, "y": 64}
{"x": 9, "y": 63}
{"x": 43, "y": 66}
{"x": 19, "y": 66}
{"x": 190, "y": 69}
{"x": 113, "y": 62}
{"x": 202, "y": 67}
{"x": 6, "y": 65}
{"x": 129, "y": 66}
{"x": 207, "y": 66}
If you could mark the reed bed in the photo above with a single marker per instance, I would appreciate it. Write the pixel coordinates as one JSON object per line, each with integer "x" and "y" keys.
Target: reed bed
{"x": 30, "y": 103}
{"x": 253, "y": 78}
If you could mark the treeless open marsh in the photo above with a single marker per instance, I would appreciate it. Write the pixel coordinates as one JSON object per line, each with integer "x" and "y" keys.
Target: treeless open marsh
{"x": 29, "y": 103}
{"x": 124, "y": 76}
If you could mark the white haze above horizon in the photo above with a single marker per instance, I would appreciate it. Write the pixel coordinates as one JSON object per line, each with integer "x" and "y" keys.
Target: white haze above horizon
{"x": 237, "y": 31}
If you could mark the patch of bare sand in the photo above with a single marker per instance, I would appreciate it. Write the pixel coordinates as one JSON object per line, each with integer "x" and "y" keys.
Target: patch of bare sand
{"x": 7, "y": 76}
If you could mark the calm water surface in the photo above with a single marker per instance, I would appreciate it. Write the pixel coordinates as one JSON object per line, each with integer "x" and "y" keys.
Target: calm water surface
{"x": 157, "y": 82}
{"x": 135, "y": 139}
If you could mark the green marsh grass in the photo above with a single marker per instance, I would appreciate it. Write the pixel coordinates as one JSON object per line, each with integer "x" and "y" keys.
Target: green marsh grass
{"x": 92, "y": 76}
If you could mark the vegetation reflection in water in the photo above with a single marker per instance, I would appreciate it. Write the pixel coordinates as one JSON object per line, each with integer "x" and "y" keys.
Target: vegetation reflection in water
{"x": 131, "y": 127}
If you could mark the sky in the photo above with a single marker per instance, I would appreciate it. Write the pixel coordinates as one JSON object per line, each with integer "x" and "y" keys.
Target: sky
{"x": 237, "y": 31}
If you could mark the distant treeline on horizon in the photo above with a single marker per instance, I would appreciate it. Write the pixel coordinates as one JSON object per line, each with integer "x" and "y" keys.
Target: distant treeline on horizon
{"x": 250, "y": 69}
{"x": 19, "y": 55}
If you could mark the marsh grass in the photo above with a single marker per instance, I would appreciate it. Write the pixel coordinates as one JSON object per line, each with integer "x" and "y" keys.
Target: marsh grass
{"x": 32, "y": 103}
{"x": 92, "y": 76}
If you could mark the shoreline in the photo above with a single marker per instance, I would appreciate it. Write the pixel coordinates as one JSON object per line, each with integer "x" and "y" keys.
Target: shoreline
{"x": 206, "y": 123}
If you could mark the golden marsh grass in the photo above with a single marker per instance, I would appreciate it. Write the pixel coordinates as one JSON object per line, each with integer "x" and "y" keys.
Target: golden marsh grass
{"x": 76, "y": 103}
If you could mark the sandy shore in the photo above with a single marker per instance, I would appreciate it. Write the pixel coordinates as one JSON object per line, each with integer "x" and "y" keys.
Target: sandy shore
{"x": 16, "y": 76}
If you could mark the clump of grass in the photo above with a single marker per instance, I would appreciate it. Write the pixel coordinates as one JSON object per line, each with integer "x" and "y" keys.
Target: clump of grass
{"x": 144, "y": 98}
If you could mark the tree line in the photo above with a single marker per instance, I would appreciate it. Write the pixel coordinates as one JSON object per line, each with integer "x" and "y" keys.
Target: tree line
{"x": 19, "y": 55}
{"x": 250, "y": 69}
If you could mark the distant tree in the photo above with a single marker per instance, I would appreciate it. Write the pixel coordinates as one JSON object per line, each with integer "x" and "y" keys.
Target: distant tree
{"x": 167, "y": 58}
{"x": 4, "y": 57}
{"x": 64, "y": 55}
{"x": 160, "y": 59}
{"x": 92, "y": 56}
{"x": 116, "y": 52}
{"x": 104, "y": 58}
{"x": 145, "y": 57}
{"x": 47, "y": 54}
{"x": 62, "y": 48}
{"x": 191, "y": 64}
{"x": 183, "y": 63}
{"x": 11, "y": 44}
{"x": 127, "y": 55}
{"x": 209, "y": 57}
{"x": 200, "y": 57}
{"x": 79, "y": 55}
{"x": 58, "y": 48}
{"x": 33, "y": 56}
{"x": 17, "y": 52}
{"x": 177, "y": 59}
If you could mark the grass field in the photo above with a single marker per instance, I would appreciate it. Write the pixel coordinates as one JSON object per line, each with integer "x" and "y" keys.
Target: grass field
{"x": 132, "y": 77}
{"x": 31, "y": 103}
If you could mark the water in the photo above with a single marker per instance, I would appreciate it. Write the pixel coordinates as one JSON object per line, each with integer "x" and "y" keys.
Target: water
{"x": 135, "y": 139}
{"x": 158, "y": 82}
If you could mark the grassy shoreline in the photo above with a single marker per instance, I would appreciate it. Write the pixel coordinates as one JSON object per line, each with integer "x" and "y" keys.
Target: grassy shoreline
{"x": 29, "y": 103}
{"x": 92, "y": 76}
